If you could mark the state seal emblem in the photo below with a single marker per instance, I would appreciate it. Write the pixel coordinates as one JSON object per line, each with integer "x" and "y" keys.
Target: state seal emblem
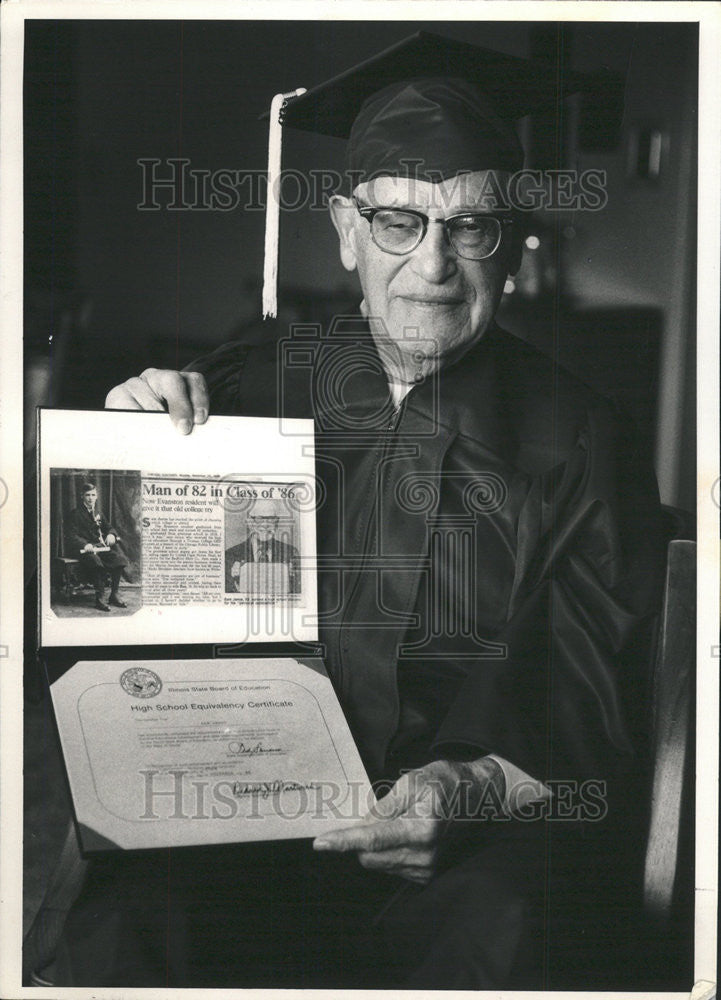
{"x": 141, "y": 682}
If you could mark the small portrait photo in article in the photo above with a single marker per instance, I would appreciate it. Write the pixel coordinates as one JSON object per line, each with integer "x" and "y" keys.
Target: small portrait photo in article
{"x": 95, "y": 544}
{"x": 262, "y": 555}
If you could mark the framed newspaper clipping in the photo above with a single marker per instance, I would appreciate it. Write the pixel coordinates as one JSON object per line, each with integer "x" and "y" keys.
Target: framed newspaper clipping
{"x": 146, "y": 538}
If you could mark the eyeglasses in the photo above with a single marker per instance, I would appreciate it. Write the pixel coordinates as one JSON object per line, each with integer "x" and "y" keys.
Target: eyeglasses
{"x": 472, "y": 235}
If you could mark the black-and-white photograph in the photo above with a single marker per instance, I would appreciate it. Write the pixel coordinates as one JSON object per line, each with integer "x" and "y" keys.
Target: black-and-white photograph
{"x": 262, "y": 554}
{"x": 96, "y": 542}
{"x": 466, "y": 249}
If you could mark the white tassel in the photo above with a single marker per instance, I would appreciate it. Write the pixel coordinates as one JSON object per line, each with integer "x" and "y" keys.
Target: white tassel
{"x": 272, "y": 209}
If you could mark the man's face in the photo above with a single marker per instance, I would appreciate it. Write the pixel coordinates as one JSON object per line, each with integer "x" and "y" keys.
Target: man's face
{"x": 264, "y": 527}
{"x": 431, "y": 304}
{"x": 89, "y": 498}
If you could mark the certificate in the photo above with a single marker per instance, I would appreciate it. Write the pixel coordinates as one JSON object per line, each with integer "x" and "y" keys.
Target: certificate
{"x": 176, "y": 752}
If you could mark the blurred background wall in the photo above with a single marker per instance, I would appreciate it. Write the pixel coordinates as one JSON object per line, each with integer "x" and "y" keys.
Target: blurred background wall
{"x": 111, "y": 289}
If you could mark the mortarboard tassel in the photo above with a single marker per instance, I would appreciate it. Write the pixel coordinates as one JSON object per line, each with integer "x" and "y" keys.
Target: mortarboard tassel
{"x": 272, "y": 210}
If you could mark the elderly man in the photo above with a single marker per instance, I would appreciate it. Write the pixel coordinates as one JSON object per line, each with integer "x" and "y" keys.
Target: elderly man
{"x": 263, "y": 545}
{"x": 490, "y": 557}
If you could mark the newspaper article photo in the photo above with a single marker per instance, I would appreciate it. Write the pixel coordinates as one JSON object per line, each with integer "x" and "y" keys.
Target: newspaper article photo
{"x": 91, "y": 557}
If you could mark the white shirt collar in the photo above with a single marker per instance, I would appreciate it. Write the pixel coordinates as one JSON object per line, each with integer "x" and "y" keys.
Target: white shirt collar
{"x": 399, "y": 391}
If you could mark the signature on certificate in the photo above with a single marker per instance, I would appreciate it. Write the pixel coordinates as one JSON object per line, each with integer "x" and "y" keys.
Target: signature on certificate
{"x": 251, "y": 750}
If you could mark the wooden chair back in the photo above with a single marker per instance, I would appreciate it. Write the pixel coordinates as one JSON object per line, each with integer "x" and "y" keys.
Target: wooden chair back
{"x": 672, "y": 712}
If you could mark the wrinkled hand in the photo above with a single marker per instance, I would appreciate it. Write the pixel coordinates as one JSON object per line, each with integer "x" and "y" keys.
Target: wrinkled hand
{"x": 183, "y": 394}
{"x": 403, "y": 834}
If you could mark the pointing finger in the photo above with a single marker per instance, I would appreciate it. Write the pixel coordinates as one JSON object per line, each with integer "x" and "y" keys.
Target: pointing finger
{"x": 371, "y": 837}
{"x": 399, "y": 858}
{"x": 380, "y": 836}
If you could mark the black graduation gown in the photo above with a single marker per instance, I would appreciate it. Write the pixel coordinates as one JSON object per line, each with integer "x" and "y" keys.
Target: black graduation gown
{"x": 492, "y": 554}
{"x": 491, "y": 561}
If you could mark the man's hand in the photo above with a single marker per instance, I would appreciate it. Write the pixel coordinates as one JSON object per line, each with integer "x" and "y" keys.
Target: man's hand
{"x": 110, "y": 539}
{"x": 89, "y": 547}
{"x": 403, "y": 834}
{"x": 235, "y": 569}
{"x": 183, "y": 394}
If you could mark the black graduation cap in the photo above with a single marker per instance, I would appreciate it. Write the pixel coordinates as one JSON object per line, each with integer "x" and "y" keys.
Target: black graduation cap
{"x": 515, "y": 87}
{"x": 429, "y": 107}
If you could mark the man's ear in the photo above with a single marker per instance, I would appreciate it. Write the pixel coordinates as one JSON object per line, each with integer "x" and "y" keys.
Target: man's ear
{"x": 343, "y": 213}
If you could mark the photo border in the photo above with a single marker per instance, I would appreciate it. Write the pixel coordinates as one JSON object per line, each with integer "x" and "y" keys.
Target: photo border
{"x": 13, "y": 16}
